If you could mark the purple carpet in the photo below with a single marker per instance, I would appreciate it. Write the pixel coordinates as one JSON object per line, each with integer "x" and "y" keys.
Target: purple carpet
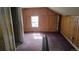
{"x": 34, "y": 41}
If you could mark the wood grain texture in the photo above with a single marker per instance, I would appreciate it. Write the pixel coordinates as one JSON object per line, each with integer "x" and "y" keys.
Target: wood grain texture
{"x": 70, "y": 27}
{"x": 47, "y": 19}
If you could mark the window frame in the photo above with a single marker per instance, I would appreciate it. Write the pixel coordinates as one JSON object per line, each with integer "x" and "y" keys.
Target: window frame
{"x": 34, "y": 21}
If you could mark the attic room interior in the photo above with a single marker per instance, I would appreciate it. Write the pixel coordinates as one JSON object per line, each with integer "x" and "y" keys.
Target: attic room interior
{"x": 39, "y": 29}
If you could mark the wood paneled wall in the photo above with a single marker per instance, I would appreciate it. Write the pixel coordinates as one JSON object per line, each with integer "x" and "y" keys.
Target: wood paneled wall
{"x": 47, "y": 19}
{"x": 70, "y": 28}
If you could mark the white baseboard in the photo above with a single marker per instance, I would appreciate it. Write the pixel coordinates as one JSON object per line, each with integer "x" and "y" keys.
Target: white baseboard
{"x": 70, "y": 42}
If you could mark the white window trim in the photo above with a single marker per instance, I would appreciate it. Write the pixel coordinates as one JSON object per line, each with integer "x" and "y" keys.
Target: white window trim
{"x": 35, "y": 21}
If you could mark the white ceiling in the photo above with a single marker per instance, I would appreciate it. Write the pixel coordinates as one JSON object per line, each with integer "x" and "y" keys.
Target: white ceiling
{"x": 66, "y": 10}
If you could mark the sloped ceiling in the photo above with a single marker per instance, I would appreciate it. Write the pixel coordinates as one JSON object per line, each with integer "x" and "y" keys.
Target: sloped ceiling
{"x": 66, "y": 10}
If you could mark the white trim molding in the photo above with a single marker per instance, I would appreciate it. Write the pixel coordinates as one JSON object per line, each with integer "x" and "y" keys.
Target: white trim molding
{"x": 70, "y": 41}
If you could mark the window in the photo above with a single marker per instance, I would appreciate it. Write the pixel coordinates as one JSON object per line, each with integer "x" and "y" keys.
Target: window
{"x": 34, "y": 21}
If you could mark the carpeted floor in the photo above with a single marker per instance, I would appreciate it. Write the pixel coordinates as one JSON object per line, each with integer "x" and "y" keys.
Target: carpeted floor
{"x": 57, "y": 42}
{"x": 34, "y": 41}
